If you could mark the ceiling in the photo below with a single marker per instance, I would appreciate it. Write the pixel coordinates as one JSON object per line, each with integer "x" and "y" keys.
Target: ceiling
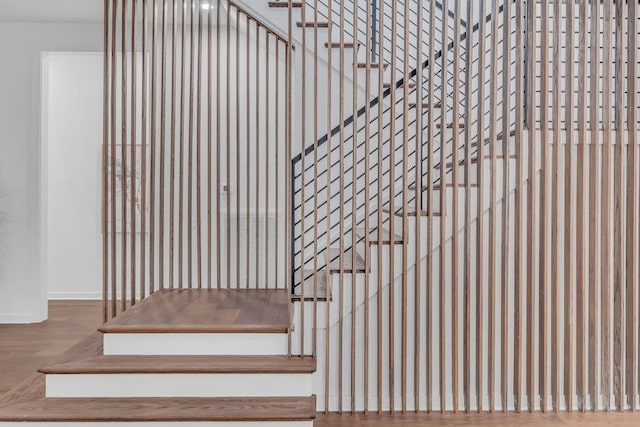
{"x": 51, "y": 10}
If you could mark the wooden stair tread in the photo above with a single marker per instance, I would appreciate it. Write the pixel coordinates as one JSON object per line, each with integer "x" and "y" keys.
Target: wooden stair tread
{"x": 474, "y": 160}
{"x": 425, "y": 105}
{"x": 438, "y": 187}
{"x": 184, "y": 365}
{"x": 206, "y": 311}
{"x": 450, "y": 125}
{"x": 333, "y": 261}
{"x": 372, "y": 65}
{"x": 383, "y": 239}
{"x": 87, "y": 358}
{"x": 411, "y": 85}
{"x": 320, "y": 277}
{"x": 311, "y": 24}
{"x": 284, "y": 3}
{"x": 32, "y": 406}
{"x": 411, "y": 212}
{"x": 499, "y": 137}
{"x": 336, "y": 45}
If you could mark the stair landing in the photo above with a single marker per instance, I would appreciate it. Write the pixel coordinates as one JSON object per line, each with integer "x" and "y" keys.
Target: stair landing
{"x": 206, "y": 311}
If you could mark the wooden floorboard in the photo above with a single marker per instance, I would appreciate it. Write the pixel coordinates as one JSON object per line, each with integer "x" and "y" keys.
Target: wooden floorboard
{"x": 206, "y": 311}
{"x": 25, "y": 348}
{"x": 492, "y": 420}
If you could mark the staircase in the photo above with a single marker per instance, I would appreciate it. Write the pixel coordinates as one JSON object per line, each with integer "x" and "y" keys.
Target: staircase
{"x": 180, "y": 357}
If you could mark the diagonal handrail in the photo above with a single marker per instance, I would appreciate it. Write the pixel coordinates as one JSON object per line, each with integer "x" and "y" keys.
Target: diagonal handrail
{"x": 387, "y": 92}
{"x": 350, "y": 120}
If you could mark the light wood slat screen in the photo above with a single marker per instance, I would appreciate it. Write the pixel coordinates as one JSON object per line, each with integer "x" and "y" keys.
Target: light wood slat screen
{"x": 195, "y": 149}
{"x": 455, "y": 188}
{"x": 472, "y": 204}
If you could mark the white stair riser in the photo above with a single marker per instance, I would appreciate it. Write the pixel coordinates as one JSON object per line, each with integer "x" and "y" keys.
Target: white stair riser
{"x": 165, "y": 424}
{"x": 196, "y": 344}
{"x": 178, "y": 385}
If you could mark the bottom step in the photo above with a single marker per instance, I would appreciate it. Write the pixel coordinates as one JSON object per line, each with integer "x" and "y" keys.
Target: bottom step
{"x": 26, "y": 403}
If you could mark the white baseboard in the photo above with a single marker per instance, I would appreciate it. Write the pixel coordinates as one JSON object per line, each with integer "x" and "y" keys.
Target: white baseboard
{"x": 75, "y": 295}
{"x": 21, "y": 318}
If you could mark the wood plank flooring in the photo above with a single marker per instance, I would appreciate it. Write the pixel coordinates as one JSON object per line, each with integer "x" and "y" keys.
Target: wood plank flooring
{"x": 25, "y": 348}
{"x": 493, "y": 420}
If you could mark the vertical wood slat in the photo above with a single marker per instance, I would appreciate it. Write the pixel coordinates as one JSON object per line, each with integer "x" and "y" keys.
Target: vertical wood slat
{"x": 569, "y": 220}
{"x": 257, "y": 165}
{"x": 314, "y": 344}
{"x": 288, "y": 147}
{"x": 493, "y": 124}
{"x": 531, "y": 215}
{"x": 152, "y": 148}
{"x": 209, "y": 138}
{"x": 479, "y": 212}
{"x": 405, "y": 193}
{"x": 189, "y": 149}
{"x": 143, "y": 156}
{"x": 133, "y": 189}
{"x": 506, "y": 188}
{"x": 199, "y": 148}
{"x": 606, "y": 208}
{"x": 238, "y": 156}
{"x": 467, "y": 212}
{"x": 632, "y": 188}
{"x": 367, "y": 198}
{"x": 218, "y": 156}
{"x": 354, "y": 192}
{"x": 443, "y": 161}
{"x": 228, "y": 152}
{"x": 172, "y": 138}
{"x": 556, "y": 203}
{"x": 106, "y": 145}
{"x": 581, "y": 224}
{"x": 124, "y": 163}
{"x": 619, "y": 300}
{"x": 595, "y": 167}
{"x": 455, "y": 142}
{"x": 341, "y": 259}
{"x": 181, "y": 150}
{"x": 161, "y": 148}
{"x": 544, "y": 217}
{"x": 248, "y": 155}
{"x": 303, "y": 184}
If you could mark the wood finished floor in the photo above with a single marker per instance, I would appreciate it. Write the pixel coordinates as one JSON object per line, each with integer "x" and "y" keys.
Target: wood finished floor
{"x": 25, "y": 348}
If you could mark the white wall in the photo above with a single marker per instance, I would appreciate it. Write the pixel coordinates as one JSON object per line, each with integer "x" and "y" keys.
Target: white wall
{"x": 71, "y": 140}
{"x": 22, "y": 286}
